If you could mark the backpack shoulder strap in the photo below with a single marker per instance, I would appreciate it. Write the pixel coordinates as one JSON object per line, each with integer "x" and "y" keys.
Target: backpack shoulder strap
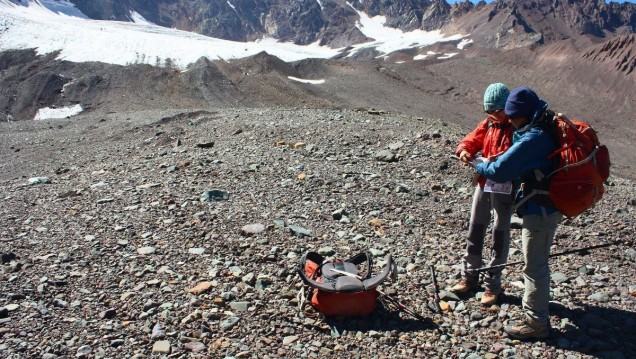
{"x": 375, "y": 281}
{"x": 361, "y": 258}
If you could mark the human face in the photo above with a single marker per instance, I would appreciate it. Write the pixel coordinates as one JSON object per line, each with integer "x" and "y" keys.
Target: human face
{"x": 497, "y": 115}
{"x": 518, "y": 122}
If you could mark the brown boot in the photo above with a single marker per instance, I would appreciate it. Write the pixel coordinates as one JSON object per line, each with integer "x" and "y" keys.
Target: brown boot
{"x": 464, "y": 286}
{"x": 490, "y": 297}
{"x": 526, "y": 330}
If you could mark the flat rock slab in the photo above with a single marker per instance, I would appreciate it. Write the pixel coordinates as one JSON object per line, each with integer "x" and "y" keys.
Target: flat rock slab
{"x": 146, "y": 250}
{"x": 161, "y": 347}
{"x": 252, "y": 229}
{"x": 214, "y": 195}
{"x": 201, "y": 288}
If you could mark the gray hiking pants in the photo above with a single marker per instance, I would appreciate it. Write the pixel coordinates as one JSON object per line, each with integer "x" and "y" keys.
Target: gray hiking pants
{"x": 503, "y": 205}
{"x": 537, "y": 235}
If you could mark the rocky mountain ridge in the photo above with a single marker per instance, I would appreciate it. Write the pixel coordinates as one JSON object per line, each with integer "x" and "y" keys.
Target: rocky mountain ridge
{"x": 333, "y": 22}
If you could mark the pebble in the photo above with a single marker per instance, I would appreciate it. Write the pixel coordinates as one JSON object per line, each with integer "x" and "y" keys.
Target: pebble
{"x": 108, "y": 314}
{"x": 300, "y": 231}
{"x": 157, "y": 332}
{"x": 117, "y": 343}
{"x": 599, "y": 297}
{"x": 161, "y": 347}
{"x": 229, "y": 323}
{"x": 290, "y": 339}
{"x": 386, "y": 156}
{"x": 215, "y": 195}
{"x": 196, "y": 251}
{"x": 201, "y": 288}
{"x": 146, "y": 250}
{"x": 239, "y": 306}
{"x": 558, "y": 277}
{"x": 11, "y": 307}
{"x": 252, "y": 229}
{"x": 195, "y": 347}
{"x": 39, "y": 180}
{"x": 83, "y": 351}
{"x": 448, "y": 296}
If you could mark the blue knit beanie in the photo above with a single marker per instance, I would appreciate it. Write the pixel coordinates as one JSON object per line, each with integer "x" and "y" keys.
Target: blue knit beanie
{"x": 522, "y": 102}
{"x": 495, "y": 97}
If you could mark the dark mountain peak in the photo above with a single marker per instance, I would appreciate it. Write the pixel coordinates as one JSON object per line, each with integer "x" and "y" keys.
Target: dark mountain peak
{"x": 520, "y": 23}
{"x": 436, "y": 16}
{"x": 462, "y": 8}
{"x": 501, "y": 24}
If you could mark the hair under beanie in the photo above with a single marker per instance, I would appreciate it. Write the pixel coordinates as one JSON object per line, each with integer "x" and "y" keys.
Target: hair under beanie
{"x": 495, "y": 97}
{"x": 522, "y": 102}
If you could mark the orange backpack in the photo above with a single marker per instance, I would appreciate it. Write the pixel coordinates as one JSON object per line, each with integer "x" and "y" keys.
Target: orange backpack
{"x": 337, "y": 288}
{"x": 582, "y": 166}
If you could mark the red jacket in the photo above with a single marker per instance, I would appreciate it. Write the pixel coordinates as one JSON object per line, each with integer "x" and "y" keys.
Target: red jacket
{"x": 492, "y": 137}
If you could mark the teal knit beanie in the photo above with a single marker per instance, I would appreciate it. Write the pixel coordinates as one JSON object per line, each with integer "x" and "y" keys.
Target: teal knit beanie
{"x": 495, "y": 97}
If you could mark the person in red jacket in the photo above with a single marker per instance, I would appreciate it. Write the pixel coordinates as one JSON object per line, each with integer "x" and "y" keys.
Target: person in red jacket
{"x": 491, "y": 138}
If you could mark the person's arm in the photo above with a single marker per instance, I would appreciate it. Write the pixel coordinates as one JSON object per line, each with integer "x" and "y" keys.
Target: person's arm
{"x": 474, "y": 141}
{"x": 527, "y": 154}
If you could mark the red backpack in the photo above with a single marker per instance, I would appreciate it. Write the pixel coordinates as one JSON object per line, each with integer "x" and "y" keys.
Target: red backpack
{"x": 582, "y": 166}
{"x": 338, "y": 288}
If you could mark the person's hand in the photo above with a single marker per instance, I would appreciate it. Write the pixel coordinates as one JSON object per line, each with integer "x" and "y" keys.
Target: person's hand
{"x": 465, "y": 157}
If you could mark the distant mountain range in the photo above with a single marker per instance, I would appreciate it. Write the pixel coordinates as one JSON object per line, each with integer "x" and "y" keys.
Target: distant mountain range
{"x": 500, "y": 24}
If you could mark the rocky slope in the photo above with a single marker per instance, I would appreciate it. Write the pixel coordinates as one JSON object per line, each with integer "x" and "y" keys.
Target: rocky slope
{"x": 582, "y": 79}
{"x": 618, "y": 54}
{"x": 102, "y": 257}
{"x": 504, "y": 23}
{"x": 513, "y": 24}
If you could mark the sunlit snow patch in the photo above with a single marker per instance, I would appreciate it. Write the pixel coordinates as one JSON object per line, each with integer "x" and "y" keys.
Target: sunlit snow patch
{"x": 447, "y": 56}
{"x": 62, "y": 8}
{"x": 124, "y": 43}
{"x": 55, "y": 113}
{"x": 424, "y": 56}
{"x": 138, "y": 19}
{"x": 388, "y": 39}
{"x": 313, "y": 82}
{"x": 465, "y": 42}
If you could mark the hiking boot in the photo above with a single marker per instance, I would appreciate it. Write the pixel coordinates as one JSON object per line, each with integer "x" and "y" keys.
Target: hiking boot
{"x": 526, "y": 330}
{"x": 490, "y": 297}
{"x": 464, "y": 286}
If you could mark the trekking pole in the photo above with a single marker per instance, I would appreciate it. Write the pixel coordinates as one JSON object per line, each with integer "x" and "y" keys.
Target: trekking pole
{"x": 383, "y": 294}
{"x": 435, "y": 307}
{"x": 571, "y": 251}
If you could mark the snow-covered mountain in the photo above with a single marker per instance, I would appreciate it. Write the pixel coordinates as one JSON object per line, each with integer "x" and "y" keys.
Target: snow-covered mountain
{"x": 59, "y": 26}
{"x": 332, "y": 22}
{"x": 178, "y": 32}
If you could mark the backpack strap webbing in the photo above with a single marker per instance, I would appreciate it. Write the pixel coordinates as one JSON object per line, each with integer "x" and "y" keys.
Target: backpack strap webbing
{"x": 344, "y": 277}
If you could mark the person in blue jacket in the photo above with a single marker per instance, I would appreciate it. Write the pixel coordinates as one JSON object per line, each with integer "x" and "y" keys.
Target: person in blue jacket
{"x": 524, "y": 163}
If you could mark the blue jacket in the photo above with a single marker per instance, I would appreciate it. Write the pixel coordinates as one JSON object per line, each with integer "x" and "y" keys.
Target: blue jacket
{"x": 530, "y": 150}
